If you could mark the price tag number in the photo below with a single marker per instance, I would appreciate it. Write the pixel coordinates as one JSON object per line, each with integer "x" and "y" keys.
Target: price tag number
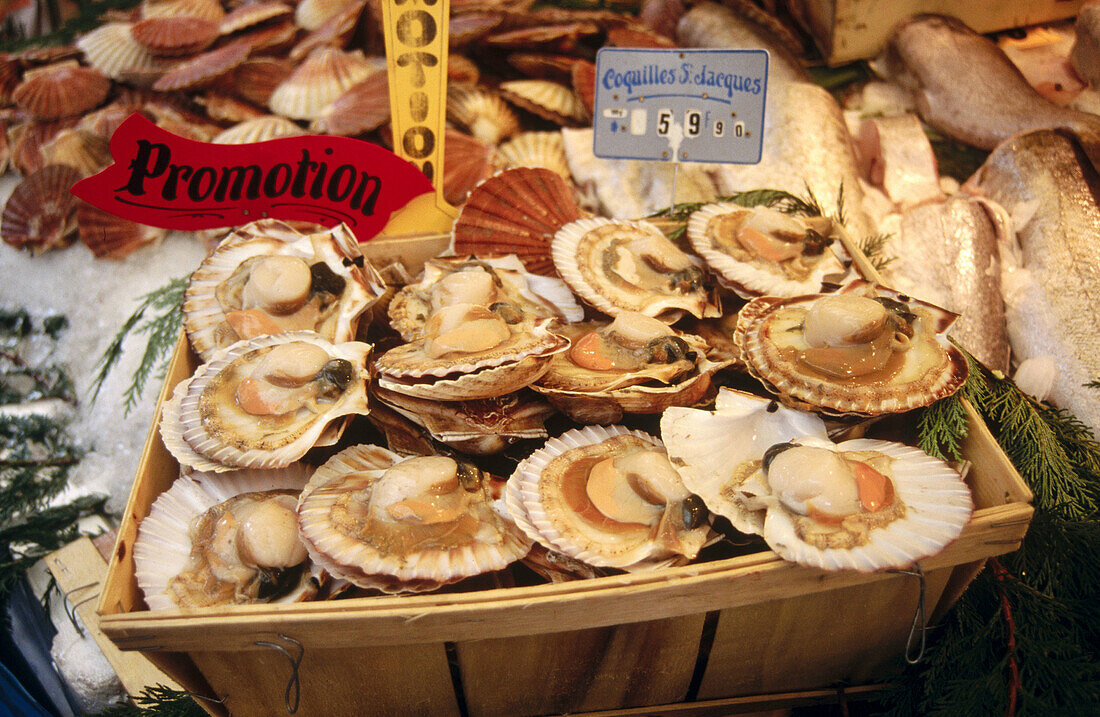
{"x": 664, "y": 122}
{"x": 720, "y": 129}
{"x": 693, "y": 123}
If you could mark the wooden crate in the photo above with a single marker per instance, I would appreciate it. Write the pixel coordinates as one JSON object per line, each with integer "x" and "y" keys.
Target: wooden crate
{"x": 751, "y": 625}
{"x": 847, "y": 30}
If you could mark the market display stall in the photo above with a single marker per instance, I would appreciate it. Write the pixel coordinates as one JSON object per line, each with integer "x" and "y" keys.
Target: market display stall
{"x": 645, "y": 434}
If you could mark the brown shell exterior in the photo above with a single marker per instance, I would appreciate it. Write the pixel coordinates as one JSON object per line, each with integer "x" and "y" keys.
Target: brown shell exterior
{"x": 10, "y": 72}
{"x": 466, "y": 162}
{"x": 175, "y": 36}
{"x": 112, "y": 237}
{"x": 550, "y": 100}
{"x": 364, "y": 107}
{"x": 255, "y": 79}
{"x": 469, "y": 27}
{"x": 334, "y": 32}
{"x": 461, "y": 70}
{"x": 638, "y": 36}
{"x": 81, "y": 149}
{"x": 517, "y": 211}
{"x": 27, "y": 138}
{"x": 206, "y": 9}
{"x": 662, "y": 16}
{"x": 224, "y": 108}
{"x": 325, "y": 75}
{"x": 40, "y": 212}
{"x": 253, "y": 13}
{"x": 583, "y": 78}
{"x": 269, "y": 38}
{"x": 63, "y": 90}
{"x": 543, "y": 66}
{"x": 203, "y": 69}
{"x": 563, "y": 36}
{"x": 800, "y": 391}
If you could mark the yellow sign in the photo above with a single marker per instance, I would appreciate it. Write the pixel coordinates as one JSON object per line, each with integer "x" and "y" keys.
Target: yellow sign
{"x": 416, "y": 53}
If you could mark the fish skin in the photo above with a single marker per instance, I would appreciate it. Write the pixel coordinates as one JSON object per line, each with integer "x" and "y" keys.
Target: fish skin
{"x": 1085, "y": 54}
{"x": 711, "y": 25}
{"x": 1051, "y": 282}
{"x": 967, "y": 88}
{"x": 946, "y": 253}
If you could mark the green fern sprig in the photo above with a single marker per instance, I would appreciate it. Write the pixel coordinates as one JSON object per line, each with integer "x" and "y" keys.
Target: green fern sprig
{"x": 161, "y": 330}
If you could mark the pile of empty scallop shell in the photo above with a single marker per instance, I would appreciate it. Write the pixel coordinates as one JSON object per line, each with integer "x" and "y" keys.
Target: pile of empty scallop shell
{"x": 558, "y": 396}
{"x": 241, "y": 72}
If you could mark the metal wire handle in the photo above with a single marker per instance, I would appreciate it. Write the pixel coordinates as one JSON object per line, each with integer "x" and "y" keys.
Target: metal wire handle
{"x": 70, "y": 608}
{"x": 294, "y": 684}
{"x": 920, "y": 625}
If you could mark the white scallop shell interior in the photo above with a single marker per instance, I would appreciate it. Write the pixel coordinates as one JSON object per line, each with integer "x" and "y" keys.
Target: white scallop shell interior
{"x": 162, "y": 548}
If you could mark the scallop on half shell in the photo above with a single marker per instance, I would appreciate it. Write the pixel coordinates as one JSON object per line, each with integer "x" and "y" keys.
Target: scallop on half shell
{"x": 617, "y": 265}
{"x": 474, "y": 280}
{"x": 267, "y": 277}
{"x": 763, "y": 251}
{"x": 609, "y": 497}
{"x": 224, "y": 539}
{"x": 865, "y": 350}
{"x": 862, "y": 505}
{"x": 634, "y": 364}
{"x": 398, "y": 524}
{"x": 264, "y": 402}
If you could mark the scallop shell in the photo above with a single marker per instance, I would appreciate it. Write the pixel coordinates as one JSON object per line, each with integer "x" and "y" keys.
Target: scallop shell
{"x": 466, "y": 163}
{"x": 62, "y": 90}
{"x": 378, "y": 563}
{"x": 705, "y": 446}
{"x": 517, "y": 211}
{"x": 259, "y": 129}
{"x": 104, "y": 121}
{"x": 275, "y": 37}
{"x": 539, "y": 296}
{"x": 363, "y": 107}
{"x": 209, "y": 10}
{"x": 543, "y": 66}
{"x": 583, "y": 248}
{"x": 224, "y": 108}
{"x": 937, "y": 505}
{"x": 550, "y": 100}
{"x": 468, "y": 27}
{"x": 311, "y": 14}
{"x": 562, "y": 35}
{"x": 255, "y": 79}
{"x": 110, "y": 236}
{"x": 482, "y": 113}
{"x": 253, "y": 13}
{"x": 40, "y": 213}
{"x": 583, "y": 79}
{"x": 162, "y": 549}
{"x": 26, "y": 140}
{"x": 202, "y": 70}
{"x": 537, "y": 149}
{"x": 334, "y": 32}
{"x": 461, "y": 70}
{"x": 479, "y": 427}
{"x": 638, "y": 36}
{"x": 175, "y": 36}
{"x": 112, "y": 50}
{"x": 749, "y": 276}
{"x": 589, "y": 396}
{"x": 10, "y": 72}
{"x": 931, "y": 369}
{"x": 534, "y": 498}
{"x": 205, "y": 310}
{"x": 511, "y": 365}
{"x": 81, "y": 149}
{"x": 325, "y": 75}
{"x": 205, "y": 434}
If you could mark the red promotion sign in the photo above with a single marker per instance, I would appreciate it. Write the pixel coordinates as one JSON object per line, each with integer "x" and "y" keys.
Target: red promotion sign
{"x": 164, "y": 180}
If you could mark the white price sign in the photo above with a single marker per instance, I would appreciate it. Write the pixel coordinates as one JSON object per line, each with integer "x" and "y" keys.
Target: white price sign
{"x": 680, "y": 105}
